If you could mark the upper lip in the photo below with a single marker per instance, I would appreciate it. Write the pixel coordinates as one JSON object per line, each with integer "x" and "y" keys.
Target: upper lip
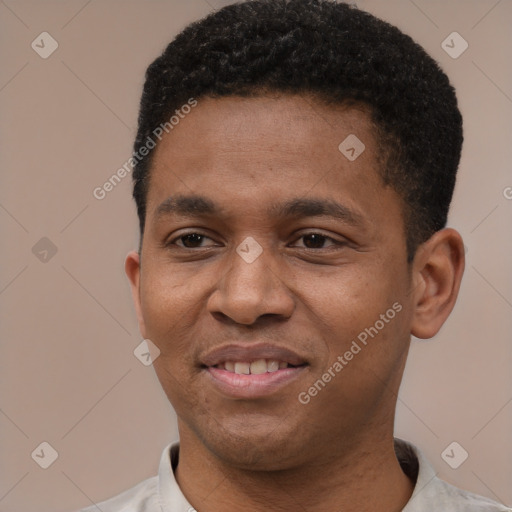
{"x": 250, "y": 353}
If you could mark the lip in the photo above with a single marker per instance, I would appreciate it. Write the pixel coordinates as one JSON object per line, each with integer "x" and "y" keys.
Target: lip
{"x": 251, "y": 386}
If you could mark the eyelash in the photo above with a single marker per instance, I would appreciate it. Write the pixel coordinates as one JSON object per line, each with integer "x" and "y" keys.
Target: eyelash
{"x": 324, "y": 237}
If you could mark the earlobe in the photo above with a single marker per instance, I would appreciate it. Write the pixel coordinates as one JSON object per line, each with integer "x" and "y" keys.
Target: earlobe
{"x": 133, "y": 271}
{"x": 437, "y": 273}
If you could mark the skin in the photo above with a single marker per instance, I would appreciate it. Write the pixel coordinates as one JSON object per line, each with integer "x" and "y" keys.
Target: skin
{"x": 307, "y": 293}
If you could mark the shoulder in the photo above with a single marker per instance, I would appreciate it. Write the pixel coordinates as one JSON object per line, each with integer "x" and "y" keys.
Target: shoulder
{"x": 458, "y": 500}
{"x": 431, "y": 493}
{"x": 143, "y": 497}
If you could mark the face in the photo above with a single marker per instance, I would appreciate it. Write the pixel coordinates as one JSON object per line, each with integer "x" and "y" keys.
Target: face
{"x": 274, "y": 280}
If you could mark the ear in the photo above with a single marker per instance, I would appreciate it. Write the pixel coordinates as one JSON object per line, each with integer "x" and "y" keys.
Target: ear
{"x": 133, "y": 271}
{"x": 437, "y": 272}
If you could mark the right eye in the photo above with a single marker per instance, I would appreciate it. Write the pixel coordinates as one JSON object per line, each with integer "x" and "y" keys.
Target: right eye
{"x": 191, "y": 241}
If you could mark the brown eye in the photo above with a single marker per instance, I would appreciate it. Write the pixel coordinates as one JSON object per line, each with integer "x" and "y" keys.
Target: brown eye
{"x": 192, "y": 240}
{"x": 314, "y": 241}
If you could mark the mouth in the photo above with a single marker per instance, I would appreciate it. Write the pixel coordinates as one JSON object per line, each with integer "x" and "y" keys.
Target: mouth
{"x": 249, "y": 372}
{"x": 257, "y": 367}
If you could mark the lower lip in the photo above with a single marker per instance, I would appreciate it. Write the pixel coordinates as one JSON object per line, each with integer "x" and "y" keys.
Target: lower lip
{"x": 252, "y": 386}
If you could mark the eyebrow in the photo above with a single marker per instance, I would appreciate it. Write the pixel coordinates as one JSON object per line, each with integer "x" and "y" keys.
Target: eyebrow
{"x": 313, "y": 207}
{"x": 197, "y": 206}
{"x": 187, "y": 206}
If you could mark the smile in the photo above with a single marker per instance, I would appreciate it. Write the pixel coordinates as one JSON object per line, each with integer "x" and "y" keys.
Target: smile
{"x": 253, "y": 368}
{"x": 250, "y": 371}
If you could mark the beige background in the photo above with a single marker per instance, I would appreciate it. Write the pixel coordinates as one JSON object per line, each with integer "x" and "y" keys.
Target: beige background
{"x": 68, "y": 329}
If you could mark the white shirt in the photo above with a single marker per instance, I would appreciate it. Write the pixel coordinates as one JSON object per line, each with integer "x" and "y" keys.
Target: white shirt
{"x": 162, "y": 494}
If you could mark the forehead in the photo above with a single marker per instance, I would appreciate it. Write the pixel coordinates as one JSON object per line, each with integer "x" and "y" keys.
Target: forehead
{"x": 291, "y": 121}
{"x": 256, "y": 155}
{"x": 296, "y": 137}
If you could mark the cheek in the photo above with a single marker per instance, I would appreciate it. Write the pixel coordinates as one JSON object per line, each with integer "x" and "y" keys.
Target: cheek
{"x": 169, "y": 292}
{"x": 347, "y": 299}
{"x": 361, "y": 314}
{"x": 170, "y": 306}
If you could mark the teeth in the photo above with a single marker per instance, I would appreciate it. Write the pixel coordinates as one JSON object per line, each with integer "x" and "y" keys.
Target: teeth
{"x": 243, "y": 368}
{"x": 272, "y": 366}
{"x": 255, "y": 368}
{"x": 259, "y": 366}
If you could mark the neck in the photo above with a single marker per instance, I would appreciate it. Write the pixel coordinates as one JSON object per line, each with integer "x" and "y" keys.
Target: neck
{"x": 367, "y": 478}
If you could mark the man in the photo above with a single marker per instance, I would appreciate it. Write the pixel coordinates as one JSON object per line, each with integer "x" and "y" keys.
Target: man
{"x": 294, "y": 165}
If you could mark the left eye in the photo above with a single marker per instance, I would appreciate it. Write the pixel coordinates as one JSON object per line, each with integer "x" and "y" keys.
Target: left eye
{"x": 317, "y": 241}
{"x": 191, "y": 240}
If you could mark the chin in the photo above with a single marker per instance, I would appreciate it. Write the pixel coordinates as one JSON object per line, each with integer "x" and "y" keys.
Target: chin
{"x": 253, "y": 456}
{"x": 256, "y": 445}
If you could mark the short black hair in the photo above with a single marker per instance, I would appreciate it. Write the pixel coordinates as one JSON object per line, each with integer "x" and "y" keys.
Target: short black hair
{"x": 340, "y": 55}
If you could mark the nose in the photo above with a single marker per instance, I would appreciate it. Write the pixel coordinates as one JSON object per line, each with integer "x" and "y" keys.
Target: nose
{"x": 247, "y": 292}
